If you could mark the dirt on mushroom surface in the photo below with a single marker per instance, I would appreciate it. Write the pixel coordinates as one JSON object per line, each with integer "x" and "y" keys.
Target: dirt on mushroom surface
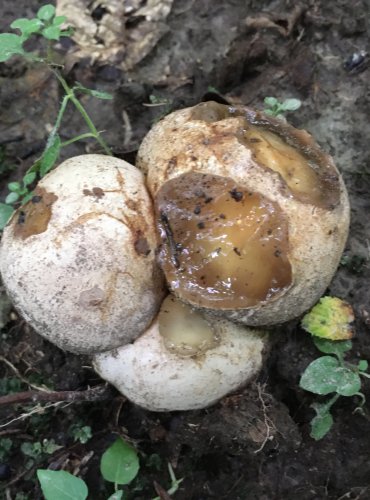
{"x": 254, "y": 444}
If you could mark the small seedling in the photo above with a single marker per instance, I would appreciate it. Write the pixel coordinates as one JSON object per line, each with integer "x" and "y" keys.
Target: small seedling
{"x": 329, "y": 323}
{"x": 38, "y": 449}
{"x": 48, "y": 26}
{"x": 81, "y": 433}
{"x": 119, "y": 465}
{"x": 278, "y": 109}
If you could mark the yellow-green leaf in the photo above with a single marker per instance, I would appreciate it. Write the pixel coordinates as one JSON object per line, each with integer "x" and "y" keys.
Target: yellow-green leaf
{"x": 331, "y": 319}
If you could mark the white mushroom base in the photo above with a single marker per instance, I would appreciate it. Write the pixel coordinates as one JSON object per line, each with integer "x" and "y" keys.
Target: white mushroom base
{"x": 158, "y": 380}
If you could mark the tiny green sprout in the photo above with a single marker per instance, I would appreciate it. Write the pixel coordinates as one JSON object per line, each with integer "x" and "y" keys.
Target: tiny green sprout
{"x": 48, "y": 26}
{"x": 175, "y": 483}
{"x": 81, "y": 433}
{"x": 332, "y": 318}
{"x": 277, "y": 108}
{"x": 38, "y": 449}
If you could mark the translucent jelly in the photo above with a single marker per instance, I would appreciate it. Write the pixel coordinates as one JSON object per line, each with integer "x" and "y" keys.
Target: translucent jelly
{"x": 272, "y": 152}
{"x": 222, "y": 246}
{"x": 184, "y": 330}
{"x": 306, "y": 171}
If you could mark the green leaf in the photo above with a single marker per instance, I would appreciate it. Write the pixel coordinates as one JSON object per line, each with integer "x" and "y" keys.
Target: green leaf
{"x": 61, "y": 485}
{"x": 321, "y": 424}
{"x": 349, "y": 382}
{"x": 51, "y": 32}
{"x": 320, "y": 377}
{"x": 95, "y": 93}
{"x": 50, "y": 156}
{"x": 10, "y": 44}
{"x": 50, "y": 446}
{"x": 33, "y": 450}
{"x": 6, "y": 211}
{"x": 58, "y": 20}
{"x": 46, "y": 12}
{"x": 14, "y": 186}
{"x": 119, "y": 463}
{"x": 27, "y": 26}
{"x": 325, "y": 375}
{"x": 29, "y": 178}
{"x": 11, "y": 198}
{"x": 27, "y": 198}
{"x": 331, "y": 319}
{"x": 270, "y": 101}
{"x": 363, "y": 365}
{"x": 68, "y": 32}
{"x": 100, "y": 94}
{"x": 332, "y": 346}
{"x": 291, "y": 105}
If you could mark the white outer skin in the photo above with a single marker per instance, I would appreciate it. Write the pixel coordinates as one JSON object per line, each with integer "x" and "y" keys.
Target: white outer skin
{"x": 158, "y": 380}
{"x": 81, "y": 284}
{"x": 317, "y": 236}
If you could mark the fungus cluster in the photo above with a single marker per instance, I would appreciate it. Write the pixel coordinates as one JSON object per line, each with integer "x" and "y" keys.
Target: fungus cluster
{"x": 241, "y": 215}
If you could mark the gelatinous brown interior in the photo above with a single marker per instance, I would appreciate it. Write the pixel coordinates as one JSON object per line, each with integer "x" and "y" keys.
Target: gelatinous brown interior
{"x": 184, "y": 330}
{"x": 272, "y": 152}
{"x": 223, "y": 246}
{"x": 34, "y": 216}
{"x": 277, "y": 146}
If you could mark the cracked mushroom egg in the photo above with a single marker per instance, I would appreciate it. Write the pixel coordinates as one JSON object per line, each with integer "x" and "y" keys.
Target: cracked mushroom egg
{"x": 184, "y": 361}
{"x": 78, "y": 260}
{"x": 252, "y": 214}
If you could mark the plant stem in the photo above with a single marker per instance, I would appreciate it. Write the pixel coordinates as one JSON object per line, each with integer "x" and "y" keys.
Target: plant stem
{"x": 91, "y": 125}
{"x": 70, "y": 93}
{"x": 331, "y": 401}
{"x": 58, "y": 121}
{"x": 78, "y": 138}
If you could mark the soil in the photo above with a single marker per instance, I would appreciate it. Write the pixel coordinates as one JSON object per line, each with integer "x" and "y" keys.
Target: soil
{"x": 254, "y": 444}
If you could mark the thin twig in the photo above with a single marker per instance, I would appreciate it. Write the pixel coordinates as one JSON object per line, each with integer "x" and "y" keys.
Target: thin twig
{"x": 98, "y": 393}
{"x": 20, "y": 376}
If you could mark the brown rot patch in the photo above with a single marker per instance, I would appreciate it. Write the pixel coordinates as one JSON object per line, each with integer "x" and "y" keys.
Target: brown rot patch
{"x": 33, "y": 218}
{"x": 91, "y": 298}
{"x": 141, "y": 245}
{"x": 97, "y": 192}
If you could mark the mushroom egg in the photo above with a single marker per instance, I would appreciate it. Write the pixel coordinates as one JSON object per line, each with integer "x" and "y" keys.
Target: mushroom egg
{"x": 185, "y": 361}
{"x": 252, "y": 214}
{"x": 78, "y": 259}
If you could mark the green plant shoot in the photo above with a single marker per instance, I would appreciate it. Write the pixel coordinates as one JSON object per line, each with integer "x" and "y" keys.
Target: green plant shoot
{"x": 49, "y": 27}
{"x": 273, "y": 107}
{"x": 331, "y": 374}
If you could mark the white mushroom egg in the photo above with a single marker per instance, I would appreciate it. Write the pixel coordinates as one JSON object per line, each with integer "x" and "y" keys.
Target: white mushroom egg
{"x": 253, "y": 216}
{"x": 78, "y": 260}
{"x": 185, "y": 360}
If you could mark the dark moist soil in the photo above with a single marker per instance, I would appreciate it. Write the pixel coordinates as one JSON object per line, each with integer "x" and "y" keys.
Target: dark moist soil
{"x": 254, "y": 444}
